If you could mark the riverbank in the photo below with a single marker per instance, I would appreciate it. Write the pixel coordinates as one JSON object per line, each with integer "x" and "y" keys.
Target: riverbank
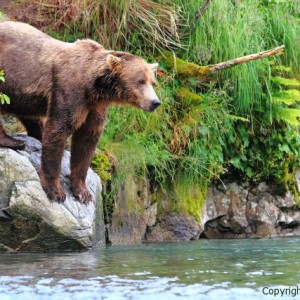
{"x": 162, "y": 172}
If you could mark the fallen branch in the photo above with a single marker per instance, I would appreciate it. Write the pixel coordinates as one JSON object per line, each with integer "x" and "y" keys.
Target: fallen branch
{"x": 187, "y": 69}
{"x": 243, "y": 59}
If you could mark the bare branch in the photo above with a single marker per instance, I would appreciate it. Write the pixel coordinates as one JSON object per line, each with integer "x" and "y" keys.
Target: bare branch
{"x": 243, "y": 59}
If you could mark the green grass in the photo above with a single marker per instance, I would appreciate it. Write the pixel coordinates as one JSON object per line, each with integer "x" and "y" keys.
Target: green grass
{"x": 241, "y": 118}
{"x": 230, "y": 29}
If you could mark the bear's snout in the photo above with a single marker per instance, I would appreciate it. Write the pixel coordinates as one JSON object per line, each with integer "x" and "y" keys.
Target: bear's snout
{"x": 154, "y": 105}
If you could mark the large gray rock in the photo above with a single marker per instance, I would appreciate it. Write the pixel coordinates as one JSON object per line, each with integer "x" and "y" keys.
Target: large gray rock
{"x": 240, "y": 210}
{"x": 29, "y": 221}
{"x": 233, "y": 210}
{"x": 174, "y": 227}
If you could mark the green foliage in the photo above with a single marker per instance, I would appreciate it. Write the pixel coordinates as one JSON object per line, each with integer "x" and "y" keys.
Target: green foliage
{"x": 286, "y": 82}
{"x": 288, "y": 97}
{"x": 262, "y": 153}
{"x": 245, "y": 119}
{"x": 101, "y": 165}
{"x": 4, "y": 99}
{"x": 229, "y": 29}
{"x": 270, "y": 150}
{"x": 288, "y": 115}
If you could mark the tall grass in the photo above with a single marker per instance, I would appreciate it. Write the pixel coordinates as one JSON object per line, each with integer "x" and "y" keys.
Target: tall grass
{"x": 119, "y": 25}
{"x": 229, "y": 29}
{"x": 186, "y": 147}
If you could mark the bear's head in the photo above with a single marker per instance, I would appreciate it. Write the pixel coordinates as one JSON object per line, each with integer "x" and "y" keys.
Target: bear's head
{"x": 133, "y": 80}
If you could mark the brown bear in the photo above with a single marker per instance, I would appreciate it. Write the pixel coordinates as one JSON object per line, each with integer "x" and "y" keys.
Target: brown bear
{"x": 59, "y": 89}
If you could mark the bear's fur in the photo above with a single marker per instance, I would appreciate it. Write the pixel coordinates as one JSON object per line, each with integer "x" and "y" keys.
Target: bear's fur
{"x": 59, "y": 89}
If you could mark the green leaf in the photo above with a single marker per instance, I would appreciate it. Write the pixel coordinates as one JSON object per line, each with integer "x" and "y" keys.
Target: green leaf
{"x": 284, "y": 148}
{"x": 288, "y": 115}
{"x": 4, "y": 99}
{"x": 286, "y": 82}
{"x": 288, "y": 97}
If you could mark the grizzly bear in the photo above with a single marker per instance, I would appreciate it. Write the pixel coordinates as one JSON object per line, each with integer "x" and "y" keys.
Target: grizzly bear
{"x": 60, "y": 89}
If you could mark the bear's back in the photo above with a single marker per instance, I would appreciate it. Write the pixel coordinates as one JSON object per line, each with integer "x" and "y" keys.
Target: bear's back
{"x": 27, "y": 55}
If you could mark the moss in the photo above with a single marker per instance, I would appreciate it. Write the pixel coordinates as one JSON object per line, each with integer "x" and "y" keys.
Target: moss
{"x": 3, "y": 17}
{"x": 183, "y": 196}
{"x": 289, "y": 183}
{"x": 187, "y": 97}
{"x": 184, "y": 68}
{"x": 189, "y": 197}
{"x": 101, "y": 166}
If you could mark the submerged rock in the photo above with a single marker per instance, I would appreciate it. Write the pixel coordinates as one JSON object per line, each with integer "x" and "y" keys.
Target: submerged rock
{"x": 29, "y": 221}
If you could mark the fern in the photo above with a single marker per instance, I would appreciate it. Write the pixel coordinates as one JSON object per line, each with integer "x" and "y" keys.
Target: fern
{"x": 286, "y": 82}
{"x": 288, "y": 97}
{"x": 285, "y": 100}
{"x": 281, "y": 70}
{"x": 4, "y": 99}
{"x": 288, "y": 115}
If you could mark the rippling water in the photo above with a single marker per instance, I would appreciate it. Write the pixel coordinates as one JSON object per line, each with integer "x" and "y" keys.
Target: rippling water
{"x": 205, "y": 269}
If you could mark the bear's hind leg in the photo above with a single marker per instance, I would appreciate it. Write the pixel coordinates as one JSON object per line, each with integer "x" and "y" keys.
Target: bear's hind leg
{"x": 34, "y": 127}
{"x": 54, "y": 141}
{"x": 9, "y": 142}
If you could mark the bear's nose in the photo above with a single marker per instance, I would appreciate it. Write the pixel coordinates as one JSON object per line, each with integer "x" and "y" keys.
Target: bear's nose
{"x": 155, "y": 104}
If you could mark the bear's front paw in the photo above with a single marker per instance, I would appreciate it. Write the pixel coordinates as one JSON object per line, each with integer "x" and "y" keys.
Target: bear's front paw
{"x": 56, "y": 194}
{"x": 52, "y": 187}
{"x": 85, "y": 197}
{"x": 82, "y": 194}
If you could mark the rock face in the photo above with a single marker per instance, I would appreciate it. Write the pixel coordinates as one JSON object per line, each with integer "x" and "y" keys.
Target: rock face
{"x": 29, "y": 221}
{"x": 241, "y": 210}
{"x": 133, "y": 212}
{"x": 174, "y": 227}
{"x": 232, "y": 210}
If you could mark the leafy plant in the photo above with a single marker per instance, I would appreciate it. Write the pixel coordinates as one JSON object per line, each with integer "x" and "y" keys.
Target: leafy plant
{"x": 245, "y": 119}
{"x": 4, "y": 99}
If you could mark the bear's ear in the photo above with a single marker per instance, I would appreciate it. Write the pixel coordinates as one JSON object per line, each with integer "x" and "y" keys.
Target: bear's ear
{"x": 153, "y": 67}
{"x": 112, "y": 61}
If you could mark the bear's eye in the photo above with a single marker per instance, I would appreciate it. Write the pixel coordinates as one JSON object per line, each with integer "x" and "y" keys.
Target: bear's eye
{"x": 142, "y": 81}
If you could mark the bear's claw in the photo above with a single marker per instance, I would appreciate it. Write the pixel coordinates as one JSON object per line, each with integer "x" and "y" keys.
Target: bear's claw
{"x": 84, "y": 197}
{"x": 56, "y": 195}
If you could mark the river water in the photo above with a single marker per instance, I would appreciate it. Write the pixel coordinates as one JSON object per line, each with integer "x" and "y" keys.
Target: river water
{"x": 204, "y": 269}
